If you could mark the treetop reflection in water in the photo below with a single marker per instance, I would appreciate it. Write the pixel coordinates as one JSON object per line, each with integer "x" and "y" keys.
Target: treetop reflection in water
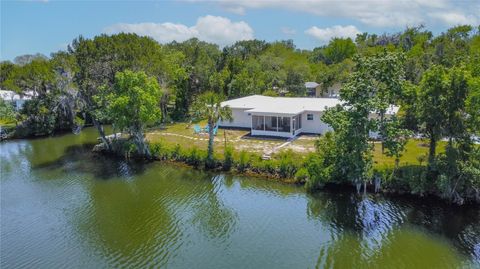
{"x": 62, "y": 206}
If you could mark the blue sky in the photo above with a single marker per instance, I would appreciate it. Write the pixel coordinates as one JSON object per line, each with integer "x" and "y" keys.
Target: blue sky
{"x": 29, "y": 27}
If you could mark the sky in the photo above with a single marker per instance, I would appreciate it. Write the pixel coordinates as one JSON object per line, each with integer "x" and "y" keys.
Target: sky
{"x": 28, "y": 27}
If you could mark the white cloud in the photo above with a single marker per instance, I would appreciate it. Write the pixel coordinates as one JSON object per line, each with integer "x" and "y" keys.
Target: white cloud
{"x": 219, "y": 30}
{"x": 325, "y": 34}
{"x": 288, "y": 30}
{"x": 377, "y": 13}
{"x": 455, "y": 18}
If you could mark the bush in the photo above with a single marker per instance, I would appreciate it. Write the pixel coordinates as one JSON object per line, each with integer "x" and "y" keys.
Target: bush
{"x": 301, "y": 175}
{"x": 160, "y": 151}
{"x": 228, "y": 158}
{"x": 286, "y": 164}
{"x": 243, "y": 161}
{"x": 194, "y": 157}
{"x": 176, "y": 152}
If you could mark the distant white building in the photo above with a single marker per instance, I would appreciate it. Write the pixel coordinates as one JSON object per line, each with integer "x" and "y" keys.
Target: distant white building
{"x": 315, "y": 90}
{"x": 282, "y": 116}
{"x": 15, "y": 99}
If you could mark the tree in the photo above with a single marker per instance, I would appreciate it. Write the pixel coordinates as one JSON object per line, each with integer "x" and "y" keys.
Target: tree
{"x": 373, "y": 87}
{"x": 338, "y": 50}
{"x": 100, "y": 58}
{"x": 431, "y": 107}
{"x": 7, "y": 113}
{"x": 208, "y": 106}
{"x": 132, "y": 104}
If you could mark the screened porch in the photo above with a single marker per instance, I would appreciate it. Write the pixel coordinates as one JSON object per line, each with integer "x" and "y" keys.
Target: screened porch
{"x": 273, "y": 125}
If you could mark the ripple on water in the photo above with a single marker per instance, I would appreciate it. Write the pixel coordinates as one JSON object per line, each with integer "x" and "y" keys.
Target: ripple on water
{"x": 76, "y": 210}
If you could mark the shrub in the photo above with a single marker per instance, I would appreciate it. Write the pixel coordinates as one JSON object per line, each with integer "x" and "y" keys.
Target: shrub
{"x": 228, "y": 158}
{"x": 319, "y": 171}
{"x": 243, "y": 161}
{"x": 194, "y": 157}
{"x": 301, "y": 175}
{"x": 286, "y": 164}
{"x": 176, "y": 152}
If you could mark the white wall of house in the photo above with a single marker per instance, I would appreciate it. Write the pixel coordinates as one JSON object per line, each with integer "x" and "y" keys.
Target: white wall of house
{"x": 271, "y": 133}
{"x": 315, "y": 126}
{"x": 241, "y": 119}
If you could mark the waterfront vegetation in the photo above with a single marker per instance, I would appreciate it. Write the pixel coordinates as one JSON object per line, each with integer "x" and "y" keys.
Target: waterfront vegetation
{"x": 140, "y": 86}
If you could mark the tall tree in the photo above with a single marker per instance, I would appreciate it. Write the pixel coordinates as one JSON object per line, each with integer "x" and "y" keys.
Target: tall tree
{"x": 373, "y": 87}
{"x": 431, "y": 107}
{"x": 100, "y": 58}
{"x": 132, "y": 104}
{"x": 208, "y": 106}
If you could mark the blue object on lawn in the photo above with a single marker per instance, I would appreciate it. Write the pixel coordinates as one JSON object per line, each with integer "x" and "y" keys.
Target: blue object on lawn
{"x": 206, "y": 129}
{"x": 215, "y": 130}
{"x": 197, "y": 129}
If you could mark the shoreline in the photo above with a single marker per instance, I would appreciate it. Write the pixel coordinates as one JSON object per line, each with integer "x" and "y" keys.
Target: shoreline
{"x": 385, "y": 190}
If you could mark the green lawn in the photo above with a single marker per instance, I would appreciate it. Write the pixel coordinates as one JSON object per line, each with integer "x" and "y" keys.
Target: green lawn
{"x": 182, "y": 134}
{"x": 413, "y": 149}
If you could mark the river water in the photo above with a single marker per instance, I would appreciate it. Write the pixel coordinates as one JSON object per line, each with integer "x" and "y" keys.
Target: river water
{"x": 64, "y": 207}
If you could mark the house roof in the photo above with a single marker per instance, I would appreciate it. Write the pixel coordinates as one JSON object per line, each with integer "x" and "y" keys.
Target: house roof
{"x": 311, "y": 84}
{"x": 287, "y": 105}
{"x": 281, "y": 105}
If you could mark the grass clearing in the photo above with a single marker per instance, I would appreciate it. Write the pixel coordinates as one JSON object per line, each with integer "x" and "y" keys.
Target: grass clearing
{"x": 182, "y": 133}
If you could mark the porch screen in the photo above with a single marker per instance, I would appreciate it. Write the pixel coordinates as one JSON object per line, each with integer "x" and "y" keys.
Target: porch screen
{"x": 271, "y": 123}
{"x": 258, "y": 122}
{"x": 284, "y": 124}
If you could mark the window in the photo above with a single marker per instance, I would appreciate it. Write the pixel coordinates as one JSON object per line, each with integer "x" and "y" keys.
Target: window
{"x": 309, "y": 116}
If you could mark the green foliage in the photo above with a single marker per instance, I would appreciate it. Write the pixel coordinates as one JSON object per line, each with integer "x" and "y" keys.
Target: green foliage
{"x": 338, "y": 50}
{"x": 132, "y": 104}
{"x": 243, "y": 161}
{"x": 270, "y": 93}
{"x": 301, "y": 176}
{"x": 194, "y": 157}
{"x": 287, "y": 165}
{"x": 7, "y": 113}
{"x": 321, "y": 166}
{"x": 228, "y": 158}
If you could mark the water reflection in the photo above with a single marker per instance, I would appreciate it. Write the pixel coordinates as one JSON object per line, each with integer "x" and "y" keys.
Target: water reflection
{"x": 367, "y": 226}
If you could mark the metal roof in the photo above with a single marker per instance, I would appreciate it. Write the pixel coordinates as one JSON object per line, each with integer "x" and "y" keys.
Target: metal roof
{"x": 287, "y": 105}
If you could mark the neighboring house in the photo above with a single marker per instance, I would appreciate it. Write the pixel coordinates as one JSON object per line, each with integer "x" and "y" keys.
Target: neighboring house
{"x": 315, "y": 90}
{"x": 15, "y": 99}
{"x": 281, "y": 116}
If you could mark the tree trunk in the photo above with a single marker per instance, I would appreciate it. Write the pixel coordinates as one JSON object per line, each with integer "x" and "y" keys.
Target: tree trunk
{"x": 209, "y": 162}
{"x": 382, "y": 130}
{"x": 432, "y": 150}
{"x": 142, "y": 147}
{"x": 101, "y": 131}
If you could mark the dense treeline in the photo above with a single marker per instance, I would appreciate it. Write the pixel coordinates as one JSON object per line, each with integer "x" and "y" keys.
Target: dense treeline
{"x": 435, "y": 80}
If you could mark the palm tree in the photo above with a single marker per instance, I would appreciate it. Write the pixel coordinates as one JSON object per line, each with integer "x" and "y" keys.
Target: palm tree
{"x": 208, "y": 106}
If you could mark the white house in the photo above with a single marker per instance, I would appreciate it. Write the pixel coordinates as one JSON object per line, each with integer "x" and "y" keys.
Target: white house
{"x": 281, "y": 116}
{"x": 15, "y": 99}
